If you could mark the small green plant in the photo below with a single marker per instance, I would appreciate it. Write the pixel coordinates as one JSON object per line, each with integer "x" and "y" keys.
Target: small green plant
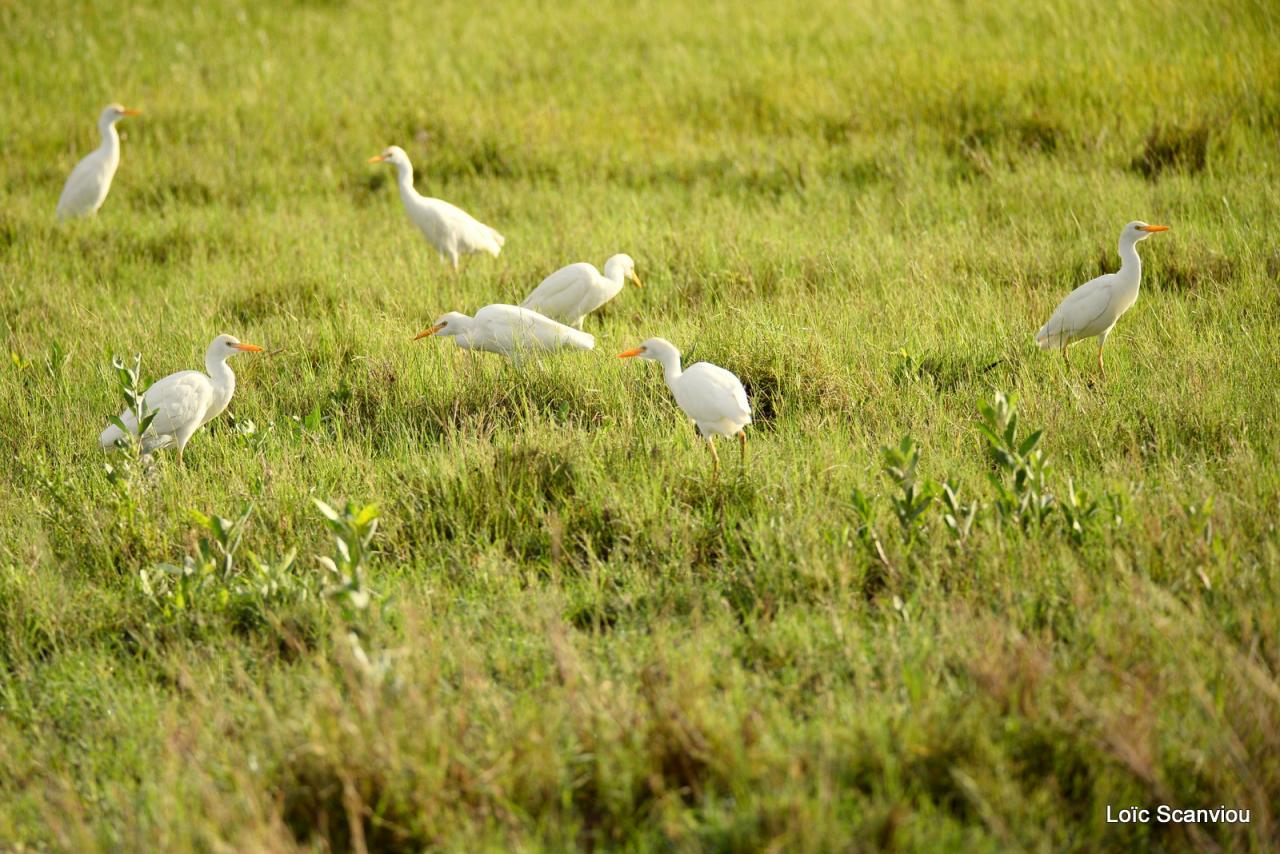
{"x": 1079, "y": 512}
{"x": 957, "y": 515}
{"x": 353, "y": 529}
{"x": 219, "y": 579}
{"x": 133, "y": 457}
{"x": 1021, "y": 468}
{"x": 913, "y": 497}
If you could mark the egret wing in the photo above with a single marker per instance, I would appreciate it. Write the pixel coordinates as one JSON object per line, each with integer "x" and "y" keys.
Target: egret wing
{"x": 524, "y": 329}
{"x": 560, "y": 295}
{"x": 708, "y": 393}
{"x": 179, "y": 401}
{"x": 1081, "y": 314}
{"x": 472, "y": 234}
{"x": 80, "y": 193}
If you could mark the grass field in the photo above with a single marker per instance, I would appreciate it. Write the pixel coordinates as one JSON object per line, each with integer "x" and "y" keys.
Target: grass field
{"x": 563, "y": 631}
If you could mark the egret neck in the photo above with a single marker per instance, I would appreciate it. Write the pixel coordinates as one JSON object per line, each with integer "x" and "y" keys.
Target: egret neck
{"x": 110, "y": 146}
{"x": 615, "y": 270}
{"x": 215, "y": 364}
{"x": 404, "y": 180}
{"x": 669, "y": 358}
{"x": 1130, "y": 272}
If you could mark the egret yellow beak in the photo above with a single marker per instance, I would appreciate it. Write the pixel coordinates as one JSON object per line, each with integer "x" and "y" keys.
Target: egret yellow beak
{"x": 131, "y": 112}
{"x": 627, "y": 354}
{"x": 429, "y": 331}
{"x": 1153, "y": 228}
{"x": 635, "y": 280}
{"x": 377, "y": 158}
{"x": 248, "y": 348}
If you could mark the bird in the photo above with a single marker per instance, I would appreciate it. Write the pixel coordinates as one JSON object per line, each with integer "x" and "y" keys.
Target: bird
{"x": 508, "y": 330}
{"x": 1092, "y": 309}
{"x": 451, "y": 230}
{"x": 712, "y": 397}
{"x": 571, "y": 293}
{"x": 87, "y": 187}
{"x": 183, "y": 402}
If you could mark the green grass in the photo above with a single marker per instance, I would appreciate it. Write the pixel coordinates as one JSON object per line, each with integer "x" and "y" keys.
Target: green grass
{"x": 577, "y": 637}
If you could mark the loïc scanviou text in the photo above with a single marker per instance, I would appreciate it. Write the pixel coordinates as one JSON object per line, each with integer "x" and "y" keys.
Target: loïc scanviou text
{"x": 1165, "y": 814}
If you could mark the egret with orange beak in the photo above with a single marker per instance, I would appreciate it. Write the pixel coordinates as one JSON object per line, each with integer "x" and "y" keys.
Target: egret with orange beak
{"x": 571, "y": 293}
{"x": 1091, "y": 310}
{"x": 451, "y": 230}
{"x": 712, "y": 397}
{"x": 87, "y": 187}
{"x": 183, "y": 402}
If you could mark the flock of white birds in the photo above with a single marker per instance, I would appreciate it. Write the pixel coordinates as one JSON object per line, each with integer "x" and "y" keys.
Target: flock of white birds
{"x": 549, "y": 319}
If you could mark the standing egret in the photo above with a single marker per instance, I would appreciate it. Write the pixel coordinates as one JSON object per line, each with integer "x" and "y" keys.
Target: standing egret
{"x": 509, "y": 330}
{"x": 87, "y": 187}
{"x": 451, "y": 230}
{"x": 1092, "y": 309}
{"x": 571, "y": 293}
{"x": 711, "y": 396}
{"x": 184, "y": 402}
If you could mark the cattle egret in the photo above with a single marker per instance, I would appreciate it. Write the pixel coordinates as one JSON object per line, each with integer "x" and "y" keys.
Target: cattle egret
{"x": 509, "y": 330}
{"x": 90, "y": 181}
{"x": 1092, "y": 309}
{"x": 451, "y": 230}
{"x": 711, "y": 396}
{"x": 184, "y": 402}
{"x": 571, "y": 293}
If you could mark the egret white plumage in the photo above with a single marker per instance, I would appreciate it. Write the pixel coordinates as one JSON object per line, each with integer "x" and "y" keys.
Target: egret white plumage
{"x": 571, "y": 293}
{"x": 184, "y": 402}
{"x": 451, "y": 230}
{"x": 712, "y": 397}
{"x": 508, "y": 330}
{"x": 1092, "y": 309}
{"x": 87, "y": 186}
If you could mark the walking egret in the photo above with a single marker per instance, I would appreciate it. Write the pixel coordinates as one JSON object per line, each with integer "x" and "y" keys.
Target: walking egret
{"x": 508, "y": 330}
{"x": 571, "y": 293}
{"x": 1092, "y": 309}
{"x": 451, "y": 230}
{"x": 711, "y": 396}
{"x": 184, "y": 402}
{"x": 87, "y": 187}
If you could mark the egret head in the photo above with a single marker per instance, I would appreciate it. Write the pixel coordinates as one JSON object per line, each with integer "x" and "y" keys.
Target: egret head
{"x": 225, "y": 346}
{"x": 115, "y": 112}
{"x": 392, "y": 154}
{"x": 627, "y": 265}
{"x": 449, "y": 324}
{"x": 1139, "y": 230}
{"x": 657, "y": 349}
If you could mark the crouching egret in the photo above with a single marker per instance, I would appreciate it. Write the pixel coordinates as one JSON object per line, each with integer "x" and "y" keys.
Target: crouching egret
{"x": 711, "y": 396}
{"x": 451, "y": 230}
{"x": 1092, "y": 309}
{"x": 184, "y": 402}
{"x": 571, "y": 293}
{"x": 509, "y": 330}
{"x": 87, "y": 187}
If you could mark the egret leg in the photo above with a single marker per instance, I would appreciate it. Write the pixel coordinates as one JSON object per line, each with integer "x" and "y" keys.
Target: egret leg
{"x": 1065, "y": 360}
{"x": 715, "y": 458}
{"x": 742, "y": 444}
{"x": 1101, "y": 369}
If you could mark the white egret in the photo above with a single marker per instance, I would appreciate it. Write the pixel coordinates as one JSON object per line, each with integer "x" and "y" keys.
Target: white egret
{"x": 86, "y": 189}
{"x": 184, "y": 402}
{"x": 711, "y": 396}
{"x": 571, "y": 293}
{"x": 451, "y": 230}
{"x": 1092, "y": 309}
{"x": 508, "y": 330}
